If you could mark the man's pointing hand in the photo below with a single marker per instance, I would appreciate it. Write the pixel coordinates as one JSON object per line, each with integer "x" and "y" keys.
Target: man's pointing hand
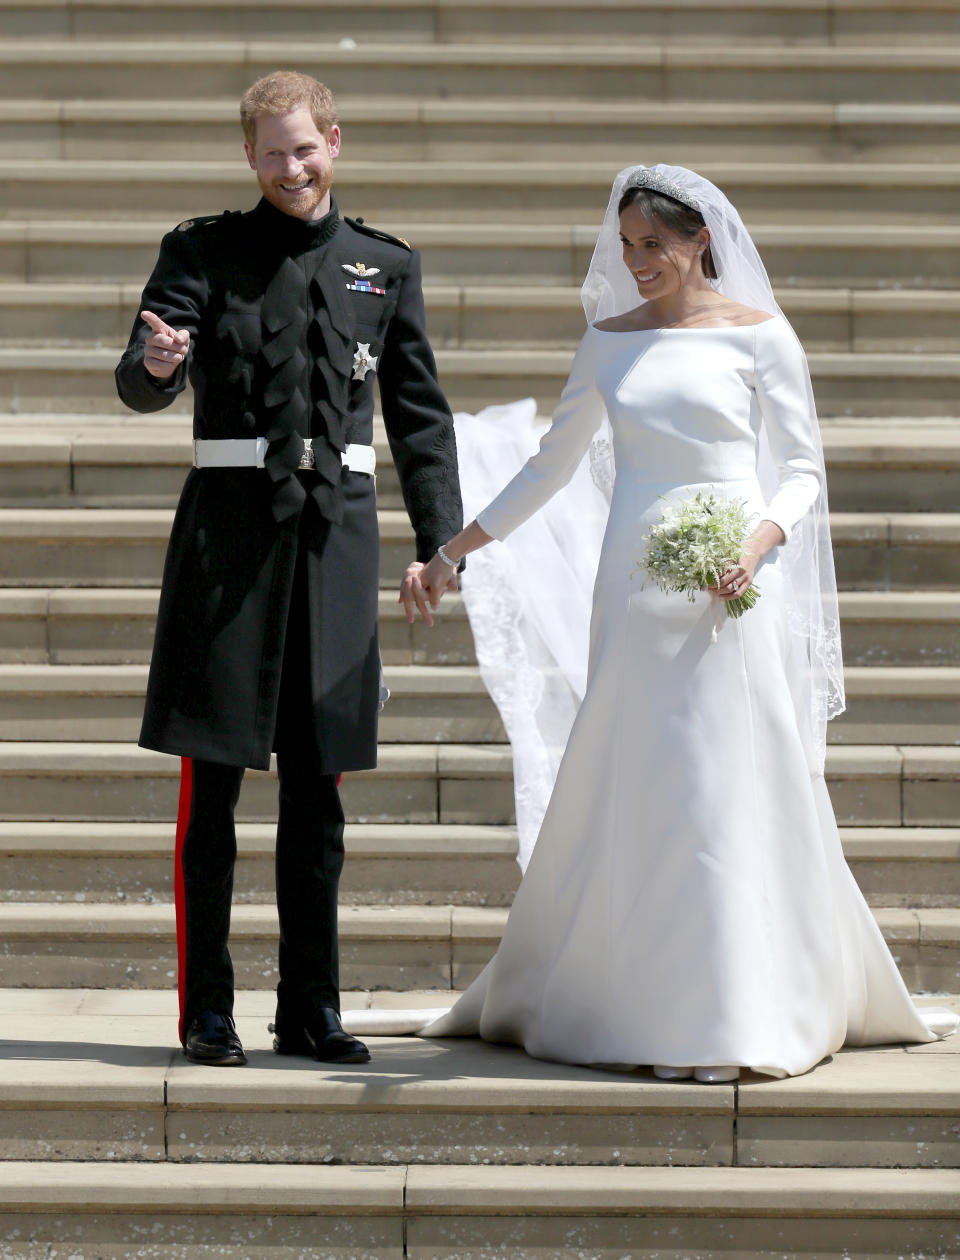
{"x": 165, "y": 349}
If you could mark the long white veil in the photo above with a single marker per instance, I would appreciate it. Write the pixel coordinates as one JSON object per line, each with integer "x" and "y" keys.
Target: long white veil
{"x": 529, "y": 598}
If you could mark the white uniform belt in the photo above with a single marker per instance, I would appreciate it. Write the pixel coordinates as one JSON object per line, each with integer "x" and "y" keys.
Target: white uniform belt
{"x": 250, "y": 452}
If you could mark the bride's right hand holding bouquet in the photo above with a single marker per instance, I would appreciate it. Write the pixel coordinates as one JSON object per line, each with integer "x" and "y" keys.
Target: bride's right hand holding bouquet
{"x": 705, "y": 543}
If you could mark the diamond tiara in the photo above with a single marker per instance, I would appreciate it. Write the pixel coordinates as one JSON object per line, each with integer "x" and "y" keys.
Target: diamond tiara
{"x": 652, "y": 179}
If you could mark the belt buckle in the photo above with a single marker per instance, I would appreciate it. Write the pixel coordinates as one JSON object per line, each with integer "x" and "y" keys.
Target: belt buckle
{"x": 308, "y": 459}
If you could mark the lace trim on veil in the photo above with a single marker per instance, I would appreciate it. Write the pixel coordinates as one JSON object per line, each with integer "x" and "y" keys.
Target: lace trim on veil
{"x": 529, "y": 602}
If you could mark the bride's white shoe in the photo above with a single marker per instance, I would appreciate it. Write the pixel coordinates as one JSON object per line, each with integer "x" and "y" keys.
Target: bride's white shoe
{"x": 673, "y": 1073}
{"x": 716, "y": 1075}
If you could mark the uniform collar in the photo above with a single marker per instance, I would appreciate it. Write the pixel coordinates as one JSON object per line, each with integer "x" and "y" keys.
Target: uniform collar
{"x": 298, "y": 234}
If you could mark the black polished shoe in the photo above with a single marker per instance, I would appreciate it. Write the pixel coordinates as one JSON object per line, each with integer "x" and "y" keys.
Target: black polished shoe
{"x": 212, "y": 1039}
{"x": 319, "y": 1037}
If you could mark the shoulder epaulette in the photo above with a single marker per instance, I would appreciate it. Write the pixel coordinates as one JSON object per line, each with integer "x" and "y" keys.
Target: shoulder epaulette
{"x": 375, "y": 232}
{"x": 203, "y": 220}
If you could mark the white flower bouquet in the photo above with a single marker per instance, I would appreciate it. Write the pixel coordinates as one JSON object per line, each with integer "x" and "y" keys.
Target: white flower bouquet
{"x": 695, "y": 542}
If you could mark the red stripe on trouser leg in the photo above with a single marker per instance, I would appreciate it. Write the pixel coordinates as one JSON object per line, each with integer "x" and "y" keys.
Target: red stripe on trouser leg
{"x": 339, "y": 779}
{"x": 183, "y": 822}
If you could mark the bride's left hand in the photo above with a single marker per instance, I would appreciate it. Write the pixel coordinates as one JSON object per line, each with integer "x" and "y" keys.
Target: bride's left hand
{"x": 738, "y": 579}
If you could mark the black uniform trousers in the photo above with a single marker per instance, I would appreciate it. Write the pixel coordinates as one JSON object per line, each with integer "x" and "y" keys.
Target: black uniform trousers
{"x": 309, "y": 855}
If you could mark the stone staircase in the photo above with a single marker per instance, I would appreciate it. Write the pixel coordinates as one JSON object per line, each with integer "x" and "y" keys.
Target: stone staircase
{"x": 488, "y": 137}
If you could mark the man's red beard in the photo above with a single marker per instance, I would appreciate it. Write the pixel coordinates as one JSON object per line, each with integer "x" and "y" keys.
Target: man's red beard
{"x": 303, "y": 205}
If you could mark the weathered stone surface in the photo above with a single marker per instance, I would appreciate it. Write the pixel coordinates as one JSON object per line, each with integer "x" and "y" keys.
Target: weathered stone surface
{"x": 110, "y": 1212}
{"x": 829, "y": 124}
{"x": 673, "y": 1236}
{"x": 63, "y": 1099}
{"x": 434, "y": 1136}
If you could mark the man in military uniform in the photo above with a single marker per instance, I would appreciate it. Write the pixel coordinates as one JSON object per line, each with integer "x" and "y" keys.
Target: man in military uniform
{"x": 282, "y": 318}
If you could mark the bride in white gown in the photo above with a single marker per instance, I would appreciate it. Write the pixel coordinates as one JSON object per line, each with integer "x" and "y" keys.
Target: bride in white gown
{"x": 687, "y": 904}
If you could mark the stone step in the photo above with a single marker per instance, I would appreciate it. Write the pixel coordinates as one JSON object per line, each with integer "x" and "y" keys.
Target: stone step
{"x": 477, "y": 316}
{"x": 870, "y": 785}
{"x": 107, "y": 626}
{"x": 294, "y": 1210}
{"x": 124, "y": 547}
{"x": 901, "y": 464}
{"x": 69, "y": 945}
{"x": 905, "y": 866}
{"x": 796, "y": 254}
{"x": 115, "y": 460}
{"x": 874, "y": 193}
{"x": 111, "y": 626}
{"x": 387, "y": 864}
{"x": 521, "y": 128}
{"x": 900, "y": 628}
{"x": 117, "y": 1106}
{"x": 898, "y": 704}
{"x": 450, "y": 784}
{"x": 395, "y": 864}
{"x": 883, "y": 550}
{"x": 820, "y": 22}
{"x": 130, "y": 946}
{"x": 107, "y": 547}
{"x": 429, "y": 704}
{"x": 438, "y": 1210}
{"x": 458, "y": 1101}
{"x": 915, "y": 385}
{"x": 440, "y": 704}
{"x": 633, "y": 68}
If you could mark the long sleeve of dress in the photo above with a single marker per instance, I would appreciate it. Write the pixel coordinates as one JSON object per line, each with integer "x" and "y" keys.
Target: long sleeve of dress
{"x": 576, "y": 419}
{"x": 782, "y": 384}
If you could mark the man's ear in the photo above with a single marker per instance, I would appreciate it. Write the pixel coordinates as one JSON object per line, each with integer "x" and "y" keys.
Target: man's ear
{"x": 248, "y": 150}
{"x": 333, "y": 140}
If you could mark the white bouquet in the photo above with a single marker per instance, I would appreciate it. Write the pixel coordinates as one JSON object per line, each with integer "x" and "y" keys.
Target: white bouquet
{"x": 695, "y": 542}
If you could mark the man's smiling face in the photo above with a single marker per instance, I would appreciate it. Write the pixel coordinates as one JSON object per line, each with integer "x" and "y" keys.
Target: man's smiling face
{"x": 294, "y": 162}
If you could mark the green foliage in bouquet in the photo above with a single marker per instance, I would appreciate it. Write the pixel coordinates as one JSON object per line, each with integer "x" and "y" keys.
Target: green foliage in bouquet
{"x": 695, "y": 542}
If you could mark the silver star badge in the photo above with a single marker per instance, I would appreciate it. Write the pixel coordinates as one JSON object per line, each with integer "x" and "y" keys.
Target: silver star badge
{"x": 363, "y": 361}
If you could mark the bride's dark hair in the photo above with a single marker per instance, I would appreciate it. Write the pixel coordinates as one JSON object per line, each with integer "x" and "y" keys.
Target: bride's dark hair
{"x": 673, "y": 215}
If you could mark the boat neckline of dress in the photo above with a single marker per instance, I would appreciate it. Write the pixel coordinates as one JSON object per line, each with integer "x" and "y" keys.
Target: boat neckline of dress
{"x": 626, "y": 332}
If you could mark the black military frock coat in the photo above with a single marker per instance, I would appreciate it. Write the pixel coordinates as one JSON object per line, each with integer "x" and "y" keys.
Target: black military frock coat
{"x": 276, "y": 313}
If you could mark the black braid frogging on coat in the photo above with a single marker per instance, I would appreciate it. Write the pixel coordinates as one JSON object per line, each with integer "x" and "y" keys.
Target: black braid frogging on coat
{"x": 275, "y": 321}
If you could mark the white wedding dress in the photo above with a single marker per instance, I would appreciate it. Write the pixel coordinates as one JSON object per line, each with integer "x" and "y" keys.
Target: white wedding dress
{"x": 687, "y": 901}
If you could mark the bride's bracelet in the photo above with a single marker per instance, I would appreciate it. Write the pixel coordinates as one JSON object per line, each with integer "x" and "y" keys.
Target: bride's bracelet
{"x": 454, "y": 564}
